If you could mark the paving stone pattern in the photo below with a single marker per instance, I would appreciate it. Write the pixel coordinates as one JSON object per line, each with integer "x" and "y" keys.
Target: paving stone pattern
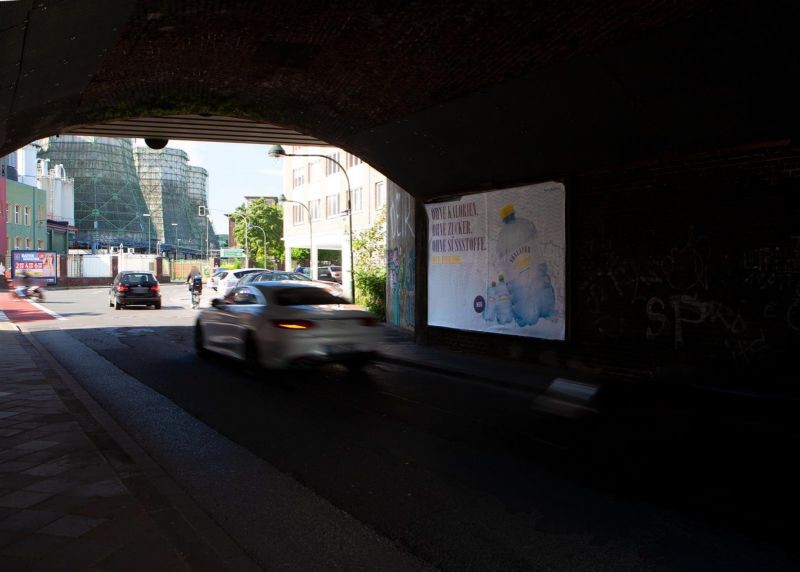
{"x": 62, "y": 505}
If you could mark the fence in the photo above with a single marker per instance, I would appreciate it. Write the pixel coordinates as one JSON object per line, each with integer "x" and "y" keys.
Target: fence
{"x": 100, "y": 265}
{"x": 179, "y": 269}
{"x": 92, "y": 269}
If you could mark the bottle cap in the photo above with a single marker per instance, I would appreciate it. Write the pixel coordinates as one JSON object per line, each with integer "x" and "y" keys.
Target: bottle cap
{"x": 506, "y": 211}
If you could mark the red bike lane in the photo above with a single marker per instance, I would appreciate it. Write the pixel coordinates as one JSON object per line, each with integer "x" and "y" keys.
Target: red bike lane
{"x": 18, "y": 311}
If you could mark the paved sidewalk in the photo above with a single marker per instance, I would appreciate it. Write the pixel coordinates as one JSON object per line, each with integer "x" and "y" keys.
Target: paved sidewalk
{"x": 72, "y": 499}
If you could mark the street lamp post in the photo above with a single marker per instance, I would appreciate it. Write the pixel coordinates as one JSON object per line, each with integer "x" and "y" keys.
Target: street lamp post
{"x": 208, "y": 251}
{"x": 283, "y": 199}
{"x": 265, "y": 241}
{"x": 277, "y": 151}
{"x": 175, "y": 257}
{"x": 235, "y": 217}
{"x": 148, "y": 231}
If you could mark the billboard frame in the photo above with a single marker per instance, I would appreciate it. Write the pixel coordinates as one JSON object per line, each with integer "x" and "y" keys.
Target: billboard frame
{"x": 40, "y": 269}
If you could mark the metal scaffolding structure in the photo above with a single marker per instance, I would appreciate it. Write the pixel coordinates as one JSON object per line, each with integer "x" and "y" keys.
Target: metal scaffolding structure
{"x": 117, "y": 185}
{"x": 108, "y": 198}
{"x": 173, "y": 191}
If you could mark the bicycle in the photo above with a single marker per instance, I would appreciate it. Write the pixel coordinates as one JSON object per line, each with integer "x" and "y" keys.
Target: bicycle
{"x": 195, "y": 299}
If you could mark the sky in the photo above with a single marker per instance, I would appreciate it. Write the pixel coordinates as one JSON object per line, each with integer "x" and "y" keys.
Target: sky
{"x": 235, "y": 170}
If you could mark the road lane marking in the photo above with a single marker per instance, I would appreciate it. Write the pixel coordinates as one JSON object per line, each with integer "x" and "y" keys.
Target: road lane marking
{"x": 46, "y": 310}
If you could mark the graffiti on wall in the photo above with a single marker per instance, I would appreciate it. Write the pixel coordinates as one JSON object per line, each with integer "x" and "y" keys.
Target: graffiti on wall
{"x": 401, "y": 285}
{"x": 400, "y": 303}
{"x": 695, "y": 294}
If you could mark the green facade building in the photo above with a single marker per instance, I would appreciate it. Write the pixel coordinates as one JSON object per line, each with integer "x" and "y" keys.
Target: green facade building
{"x": 26, "y": 217}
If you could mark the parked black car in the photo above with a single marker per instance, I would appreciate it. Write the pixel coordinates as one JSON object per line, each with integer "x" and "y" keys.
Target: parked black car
{"x": 134, "y": 288}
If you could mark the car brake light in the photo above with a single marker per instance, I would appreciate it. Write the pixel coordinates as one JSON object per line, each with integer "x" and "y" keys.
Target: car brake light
{"x": 122, "y": 288}
{"x": 293, "y": 324}
{"x": 154, "y": 288}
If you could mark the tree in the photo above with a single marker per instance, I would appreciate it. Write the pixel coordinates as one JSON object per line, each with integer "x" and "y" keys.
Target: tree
{"x": 369, "y": 251}
{"x": 266, "y": 216}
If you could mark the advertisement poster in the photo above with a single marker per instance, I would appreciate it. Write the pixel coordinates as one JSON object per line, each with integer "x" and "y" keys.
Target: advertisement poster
{"x": 496, "y": 262}
{"x": 38, "y": 264}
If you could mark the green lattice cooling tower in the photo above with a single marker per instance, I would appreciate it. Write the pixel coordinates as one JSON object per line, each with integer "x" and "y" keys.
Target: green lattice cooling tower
{"x": 116, "y": 184}
{"x": 108, "y": 197}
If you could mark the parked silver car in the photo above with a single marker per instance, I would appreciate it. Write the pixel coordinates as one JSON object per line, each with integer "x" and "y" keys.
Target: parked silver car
{"x": 227, "y": 281}
{"x": 272, "y": 275}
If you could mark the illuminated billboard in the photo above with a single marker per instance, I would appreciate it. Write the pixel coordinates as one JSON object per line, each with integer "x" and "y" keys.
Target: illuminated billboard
{"x": 496, "y": 262}
{"x": 39, "y": 264}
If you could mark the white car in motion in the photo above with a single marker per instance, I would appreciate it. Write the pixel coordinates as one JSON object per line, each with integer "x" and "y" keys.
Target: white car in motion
{"x": 280, "y": 324}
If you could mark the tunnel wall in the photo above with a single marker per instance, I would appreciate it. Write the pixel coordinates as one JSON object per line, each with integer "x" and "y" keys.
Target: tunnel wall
{"x": 678, "y": 268}
{"x": 401, "y": 256}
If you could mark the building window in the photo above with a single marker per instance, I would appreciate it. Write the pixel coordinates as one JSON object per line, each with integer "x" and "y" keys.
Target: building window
{"x": 308, "y": 172}
{"x": 313, "y": 206}
{"x": 297, "y": 178}
{"x": 17, "y": 212}
{"x": 18, "y": 242}
{"x": 330, "y": 166}
{"x": 28, "y": 244}
{"x": 27, "y": 216}
{"x": 331, "y": 205}
{"x": 40, "y": 244}
{"x": 358, "y": 201}
{"x": 352, "y": 160}
{"x": 380, "y": 194}
{"x": 298, "y": 214}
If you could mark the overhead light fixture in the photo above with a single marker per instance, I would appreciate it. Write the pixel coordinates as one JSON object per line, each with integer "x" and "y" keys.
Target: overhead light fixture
{"x": 155, "y": 143}
{"x": 276, "y": 151}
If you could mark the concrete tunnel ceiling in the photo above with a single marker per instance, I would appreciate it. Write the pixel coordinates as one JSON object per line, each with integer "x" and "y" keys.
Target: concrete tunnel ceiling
{"x": 443, "y": 97}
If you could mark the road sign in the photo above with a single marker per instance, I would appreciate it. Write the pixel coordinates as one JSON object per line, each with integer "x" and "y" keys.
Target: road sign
{"x": 231, "y": 253}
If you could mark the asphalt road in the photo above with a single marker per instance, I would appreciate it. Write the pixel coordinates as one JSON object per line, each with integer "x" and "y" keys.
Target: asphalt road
{"x": 398, "y": 468}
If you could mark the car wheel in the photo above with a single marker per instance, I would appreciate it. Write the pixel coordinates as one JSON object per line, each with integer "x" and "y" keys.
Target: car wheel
{"x": 117, "y": 305}
{"x": 251, "y": 357}
{"x": 199, "y": 346}
{"x": 110, "y": 303}
{"x": 158, "y": 305}
{"x": 356, "y": 364}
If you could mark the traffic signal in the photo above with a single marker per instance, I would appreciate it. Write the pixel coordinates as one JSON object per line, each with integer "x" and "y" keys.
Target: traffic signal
{"x": 201, "y": 210}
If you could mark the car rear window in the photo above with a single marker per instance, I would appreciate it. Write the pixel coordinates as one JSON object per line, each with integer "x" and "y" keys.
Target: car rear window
{"x": 138, "y": 279}
{"x": 306, "y": 297}
{"x": 240, "y": 273}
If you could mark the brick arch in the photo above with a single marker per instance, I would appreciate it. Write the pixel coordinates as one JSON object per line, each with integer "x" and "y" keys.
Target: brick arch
{"x": 498, "y": 92}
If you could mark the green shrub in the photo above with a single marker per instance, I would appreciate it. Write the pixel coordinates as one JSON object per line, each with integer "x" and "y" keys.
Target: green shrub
{"x": 371, "y": 291}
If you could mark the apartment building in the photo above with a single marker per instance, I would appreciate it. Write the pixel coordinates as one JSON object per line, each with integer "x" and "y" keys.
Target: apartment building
{"x": 316, "y": 206}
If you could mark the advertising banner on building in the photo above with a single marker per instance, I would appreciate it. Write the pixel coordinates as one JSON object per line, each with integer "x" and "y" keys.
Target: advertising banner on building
{"x": 496, "y": 262}
{"x": 39, "y": 264}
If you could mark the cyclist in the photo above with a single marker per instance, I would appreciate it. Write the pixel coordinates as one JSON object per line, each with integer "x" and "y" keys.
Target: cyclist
{"x": 195, "y": 282}
{"x": 25, "y": 282}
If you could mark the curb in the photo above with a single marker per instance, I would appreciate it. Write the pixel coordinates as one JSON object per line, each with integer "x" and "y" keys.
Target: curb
{"x": 464, "y": 374}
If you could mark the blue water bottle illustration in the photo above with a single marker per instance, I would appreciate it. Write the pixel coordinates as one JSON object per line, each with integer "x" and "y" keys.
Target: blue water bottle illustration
{"x": 520, "y": 258}
{"x": 502, "y": 302}
{"x": 490, "y": 312}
